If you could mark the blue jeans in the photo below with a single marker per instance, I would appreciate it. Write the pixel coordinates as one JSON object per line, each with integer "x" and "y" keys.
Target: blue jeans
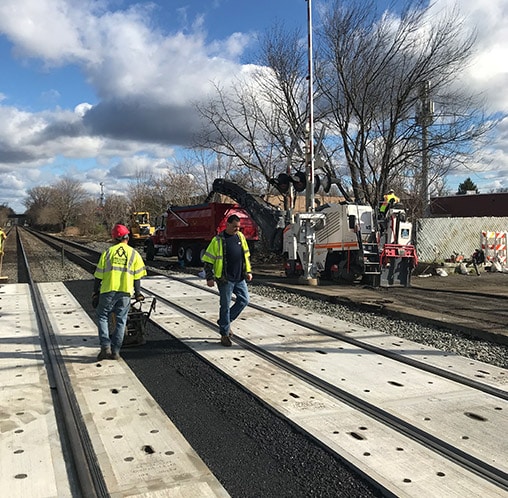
{"x": 228, "y": 313}
{"x": 119, "y": 304}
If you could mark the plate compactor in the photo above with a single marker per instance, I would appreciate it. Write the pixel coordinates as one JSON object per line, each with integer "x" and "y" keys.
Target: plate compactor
{"x": 137, "y": 319}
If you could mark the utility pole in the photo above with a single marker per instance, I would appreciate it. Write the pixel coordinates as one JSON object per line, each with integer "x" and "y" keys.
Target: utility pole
{"x": 310, "y": 156}
{"x": 307, "y": 221}
{"x": 102, "y": 194}
{"x": 424, "y": 118}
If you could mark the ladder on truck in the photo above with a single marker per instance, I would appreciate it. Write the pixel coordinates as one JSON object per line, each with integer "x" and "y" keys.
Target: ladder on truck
{"x": 371, "y": 264}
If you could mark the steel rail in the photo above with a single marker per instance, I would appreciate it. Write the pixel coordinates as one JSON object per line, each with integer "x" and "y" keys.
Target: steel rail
{"x": 86, "y": 466}
{"x": 59, "y": 245}
{"x": 59, "y": 241}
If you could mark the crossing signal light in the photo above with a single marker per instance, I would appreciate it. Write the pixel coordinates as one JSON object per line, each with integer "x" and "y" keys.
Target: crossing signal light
{"x": 317, "y": 183}
{"x": 282, "y": 182}
{"x": 299, "y": 181}
{"x": 326, "y": 183}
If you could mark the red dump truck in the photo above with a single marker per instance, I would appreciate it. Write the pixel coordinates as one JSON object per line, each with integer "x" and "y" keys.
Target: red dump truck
{"x": 186, "y": 231}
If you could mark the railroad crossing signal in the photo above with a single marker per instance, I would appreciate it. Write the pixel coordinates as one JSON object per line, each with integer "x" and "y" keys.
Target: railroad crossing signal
{"x": 299, "y": 182}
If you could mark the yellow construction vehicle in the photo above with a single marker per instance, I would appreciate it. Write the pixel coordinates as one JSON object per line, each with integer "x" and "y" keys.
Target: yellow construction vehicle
{"x": 140, "y": 227}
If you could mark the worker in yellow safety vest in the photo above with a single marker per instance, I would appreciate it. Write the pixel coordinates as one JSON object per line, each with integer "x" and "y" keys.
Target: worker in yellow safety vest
{"x": 3, "y": 236}
{"x": 117, "y": 276}
{"x": 389, "y": 199}
{"x": 227, "y": 262}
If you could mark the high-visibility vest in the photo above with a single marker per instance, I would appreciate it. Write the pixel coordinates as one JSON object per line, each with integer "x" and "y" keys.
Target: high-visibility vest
{"x": 118, "y": 267}
{"x": 214, "y": 254}
{"x": 386, "y": 201}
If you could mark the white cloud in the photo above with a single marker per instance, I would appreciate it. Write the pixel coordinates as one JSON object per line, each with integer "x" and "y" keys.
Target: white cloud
{"x": 121, "y": 55}
{"x": 487, "y": 73}
{"x": 133, "y": 167}
{"x": 146, "y": 81}
{"x": 44, "y": 28}
{"x": 82, "y": 109}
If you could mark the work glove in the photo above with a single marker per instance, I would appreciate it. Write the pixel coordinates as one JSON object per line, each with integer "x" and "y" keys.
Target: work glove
{"x": 139, "y": 297}
{"x": 95, "y": 299}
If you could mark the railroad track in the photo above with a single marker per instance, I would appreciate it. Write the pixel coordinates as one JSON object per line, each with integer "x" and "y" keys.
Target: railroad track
{"x": 320, "y": 359}
{"x": 363, "y": 395}
{"x": 53, "y": 443}
{"x": 83, "y": 474}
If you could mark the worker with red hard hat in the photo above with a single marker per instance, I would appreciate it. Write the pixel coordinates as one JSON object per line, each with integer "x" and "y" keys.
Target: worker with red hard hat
{"x": 117, "y": 276}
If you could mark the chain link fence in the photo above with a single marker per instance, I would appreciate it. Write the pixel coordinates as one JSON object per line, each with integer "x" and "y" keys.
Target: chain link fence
{"x": 438, "y": 239}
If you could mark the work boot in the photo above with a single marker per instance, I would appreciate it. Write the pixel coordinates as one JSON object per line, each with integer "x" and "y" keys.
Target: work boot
{"x": 230, "y": 333}
{"x": 115, "y": 355}
{"x": 225, "y": 340}
{"x": 104, "y": 354}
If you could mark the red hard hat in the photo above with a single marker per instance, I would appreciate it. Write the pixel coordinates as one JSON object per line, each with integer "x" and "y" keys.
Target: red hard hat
{"x": 119, "y": 231}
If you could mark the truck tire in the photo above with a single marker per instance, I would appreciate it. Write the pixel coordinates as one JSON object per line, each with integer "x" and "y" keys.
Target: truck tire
{"x": 192, "y": 255}
{"x": 181, "y": 253}
{"x": 150, "y": 250}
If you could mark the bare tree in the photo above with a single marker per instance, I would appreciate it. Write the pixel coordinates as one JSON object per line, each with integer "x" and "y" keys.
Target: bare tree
{"x": 66, "y": 197}
{"x": 256, "y": 122}
{"x": 159, "y": 196}
{"x": 181, "y": 189}
{"x": 37, "y": 196}
{"x": 115, "y": 210}
{"x": 5, "y": 211}
{"x": 89, "y": 220}
{"x": 371, "y": 72}
{"x": 383, "y": 83}
{"x": 140, "y": 193}
{"x": 204, "y": 165}
{"x": 40, "y": 209}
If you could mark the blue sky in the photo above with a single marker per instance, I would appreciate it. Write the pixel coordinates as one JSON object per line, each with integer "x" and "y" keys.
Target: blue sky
{"x": 101, "y": 90}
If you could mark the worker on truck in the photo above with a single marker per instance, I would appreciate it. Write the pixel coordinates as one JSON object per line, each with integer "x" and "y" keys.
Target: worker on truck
{"x": 227, "y": 262}
{"x": 388, "y": 200}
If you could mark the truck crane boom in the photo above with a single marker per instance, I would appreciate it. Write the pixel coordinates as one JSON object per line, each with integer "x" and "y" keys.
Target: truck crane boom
{"x": 269, "y": 218}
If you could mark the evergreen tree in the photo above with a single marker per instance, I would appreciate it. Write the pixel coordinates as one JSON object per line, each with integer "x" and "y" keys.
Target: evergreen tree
{"x": 467, "y": 185}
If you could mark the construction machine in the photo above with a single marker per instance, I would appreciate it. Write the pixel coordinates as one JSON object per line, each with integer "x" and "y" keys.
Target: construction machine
{"x": 349, "y": 245}
{"x": 347, "y": 240}
{"x": 140, "y": 228}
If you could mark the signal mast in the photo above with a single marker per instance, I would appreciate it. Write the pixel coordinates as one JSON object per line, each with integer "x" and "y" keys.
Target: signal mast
{"x": 307, "y": 221}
